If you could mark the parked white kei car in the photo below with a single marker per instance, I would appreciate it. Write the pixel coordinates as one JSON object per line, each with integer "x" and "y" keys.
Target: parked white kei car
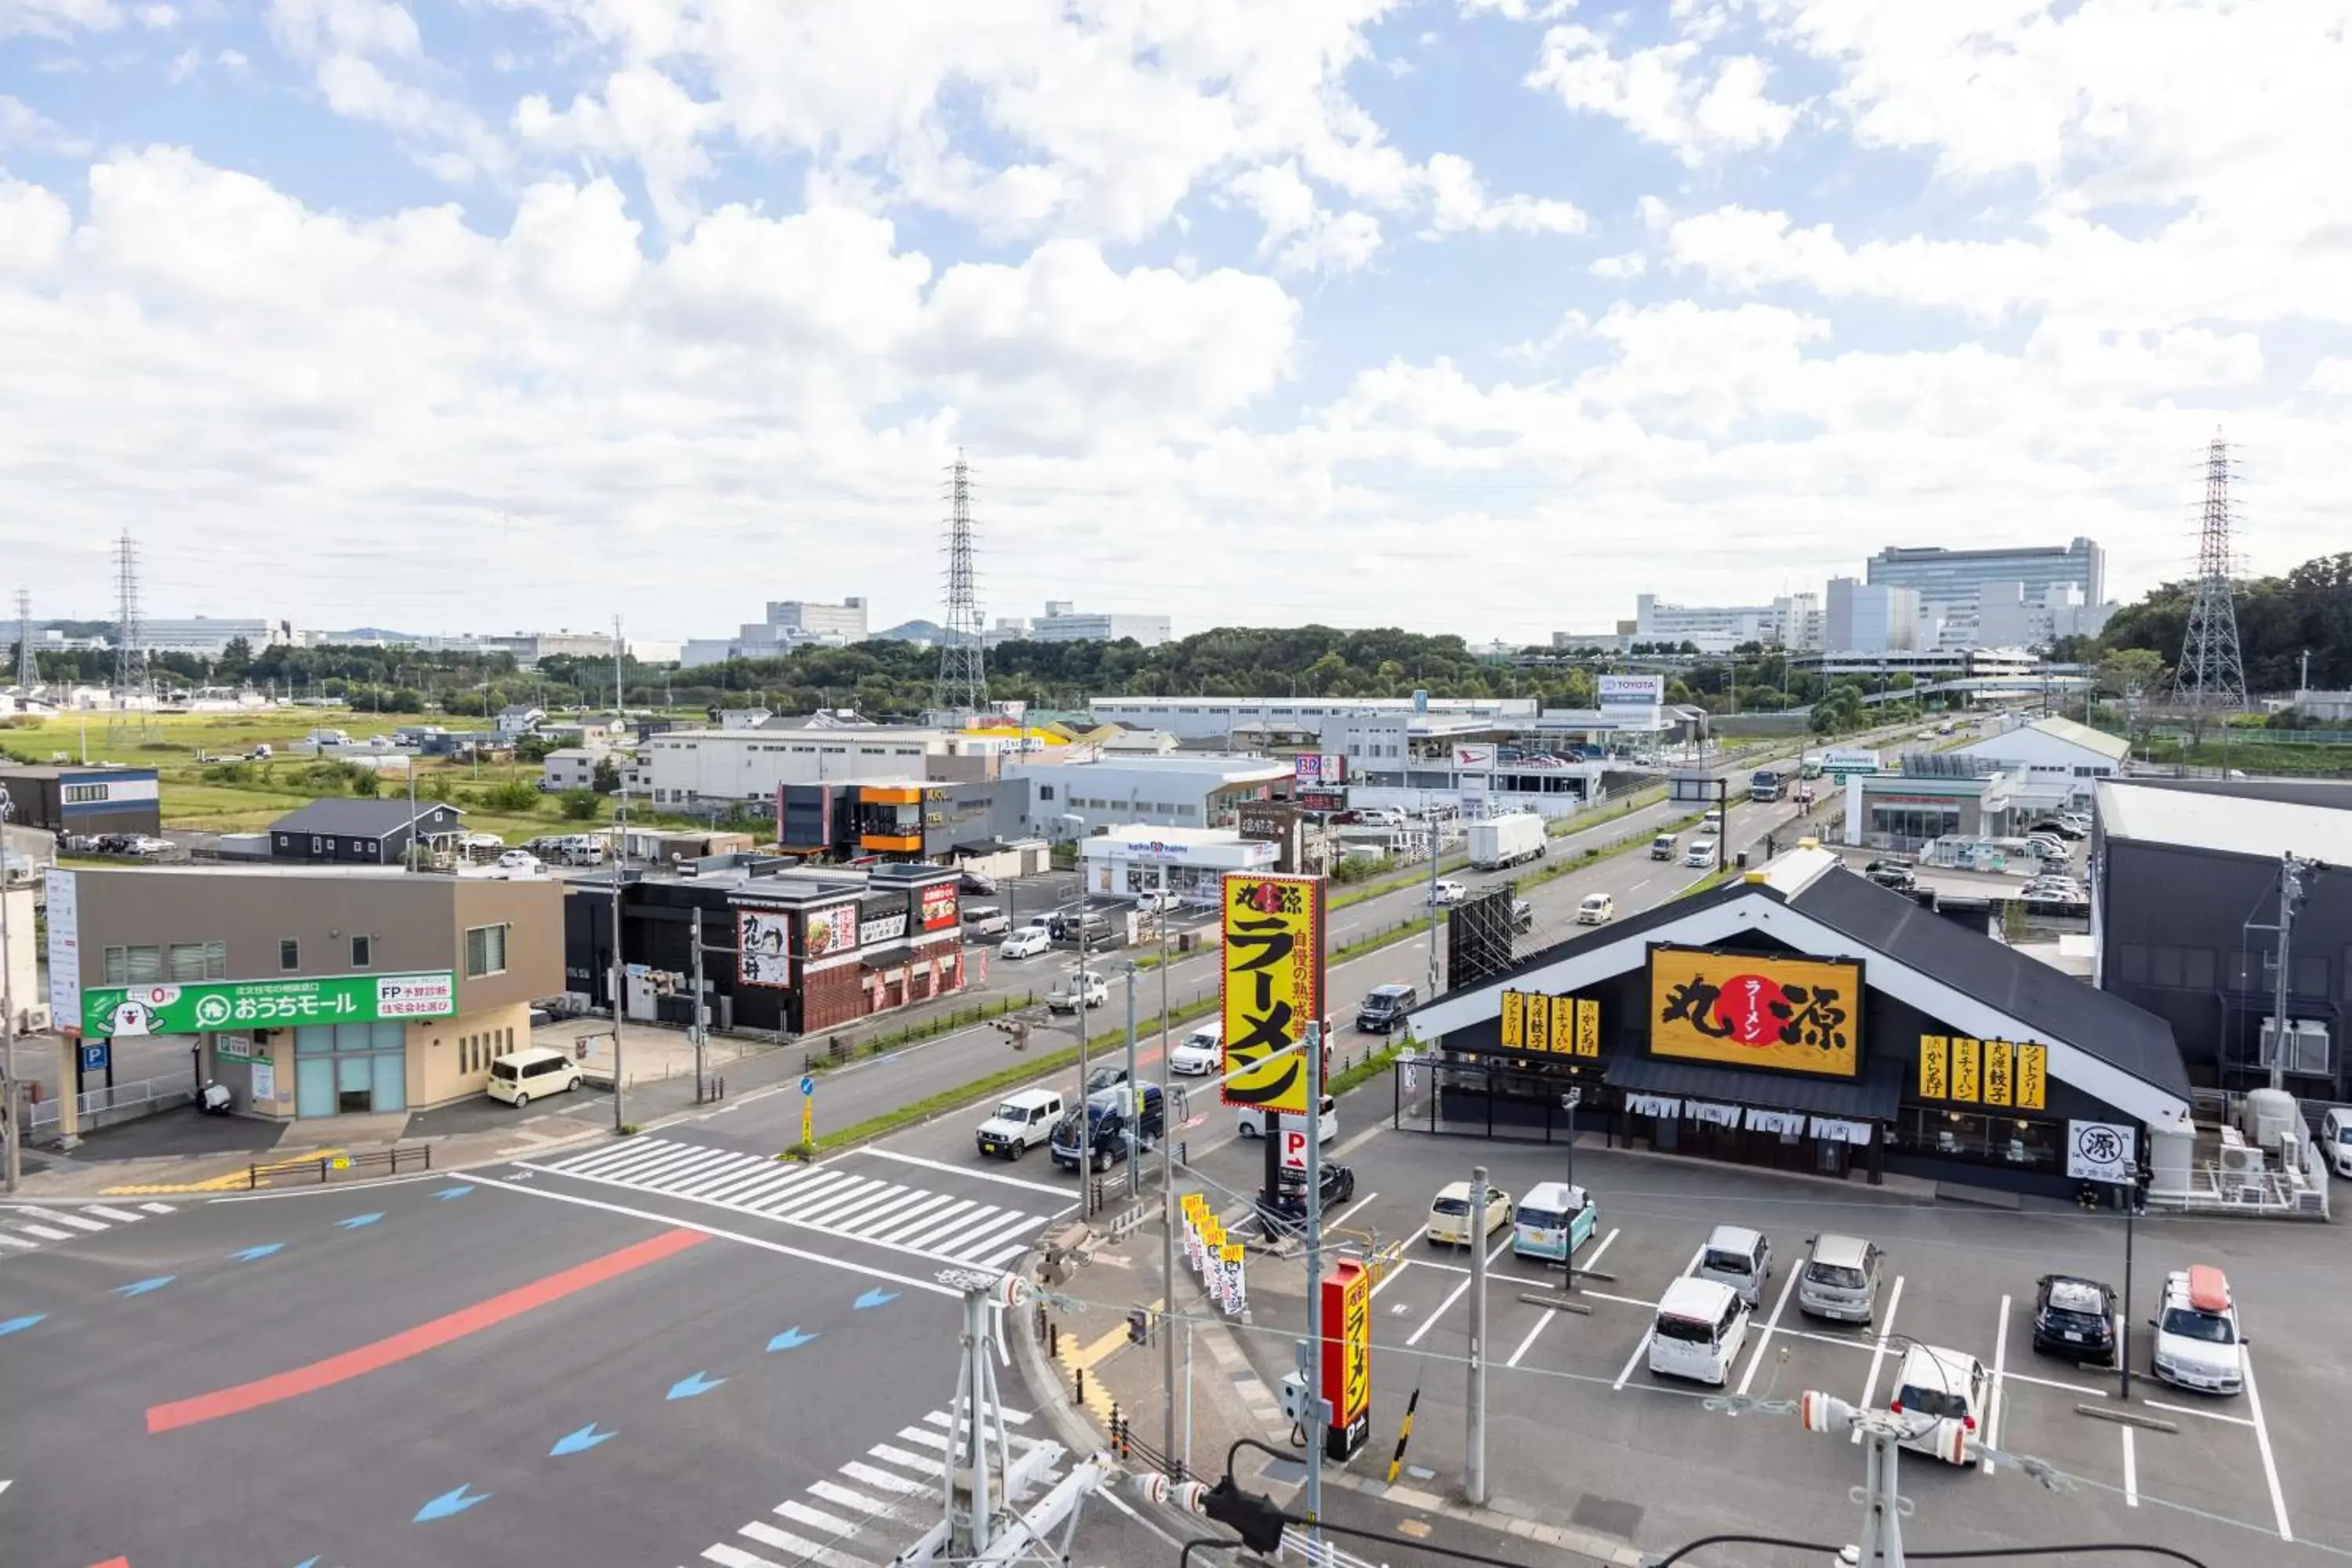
{"x": 1026, "y": 942}
{"x": 1941, "y": 1393}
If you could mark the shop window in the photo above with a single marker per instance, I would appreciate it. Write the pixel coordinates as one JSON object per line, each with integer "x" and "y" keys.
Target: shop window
{"x": 485, "y": 951}
{"x": 289, "y": 953}
{"x": 362, "y": 951}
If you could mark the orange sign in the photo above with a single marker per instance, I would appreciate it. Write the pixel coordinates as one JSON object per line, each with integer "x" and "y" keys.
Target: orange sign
{"x": 1794, "y": 1015}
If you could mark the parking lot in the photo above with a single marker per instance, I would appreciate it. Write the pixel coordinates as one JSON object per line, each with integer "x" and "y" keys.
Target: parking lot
{"x": 1581, "y": 1432}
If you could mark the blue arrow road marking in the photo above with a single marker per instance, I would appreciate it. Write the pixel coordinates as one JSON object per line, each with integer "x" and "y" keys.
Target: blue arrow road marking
{"x": 27, "y": 1322}
{"x": 792, "y": 1339}
{"x": 357, "y": 1220}
{"x": 141, "y": 1286}
{"x": 874, "y": 1298}
{"x": 459, "y": 1191}
{"x": 687, "y": 1387}
{"x": 250, "y": 1253}
{"x": 576, "y": 1442}
{"x": 455, "y": 1500}
{"x": 308, "y": 1562}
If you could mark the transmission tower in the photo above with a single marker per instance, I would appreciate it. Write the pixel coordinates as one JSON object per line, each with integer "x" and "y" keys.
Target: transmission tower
{"x": 134, "y": 704}
{"x": 27, "y": 671}
{"x": 2213, "y": 676}
{"x": 964, "y": 680}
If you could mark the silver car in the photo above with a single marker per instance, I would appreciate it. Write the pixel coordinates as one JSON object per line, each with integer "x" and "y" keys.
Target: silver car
{"x": 1840, "y": 1278}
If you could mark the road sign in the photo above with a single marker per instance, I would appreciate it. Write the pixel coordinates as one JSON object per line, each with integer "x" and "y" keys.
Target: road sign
{"x": 1294, "y": 1148}
{"x": 93, "y": 1056}
{"x": 117, "y": 1011}
{"x": 808, "y": 1084}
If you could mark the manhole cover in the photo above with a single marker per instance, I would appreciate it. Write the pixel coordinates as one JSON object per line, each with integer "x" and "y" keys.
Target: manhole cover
{"x": 1607, "y": 1515}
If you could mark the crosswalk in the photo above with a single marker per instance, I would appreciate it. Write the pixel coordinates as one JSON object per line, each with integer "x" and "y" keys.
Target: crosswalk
{"x": 28, "y": 1226}
{"x": 892, "y": 1493}
{"x": 889, "y": 1215}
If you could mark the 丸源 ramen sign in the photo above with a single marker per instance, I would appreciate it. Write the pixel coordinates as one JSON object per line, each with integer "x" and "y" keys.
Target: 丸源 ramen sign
{"x": 1788, "y": 1013}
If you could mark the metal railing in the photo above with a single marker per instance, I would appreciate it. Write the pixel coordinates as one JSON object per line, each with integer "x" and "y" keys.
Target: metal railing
{"x": 121, "y": 1102}
{"x": 328, "y": 1168}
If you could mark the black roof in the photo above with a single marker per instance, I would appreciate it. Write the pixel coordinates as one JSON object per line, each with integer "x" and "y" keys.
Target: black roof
{"x": 364, "y": 818}
{"x": 1997, "y": 975}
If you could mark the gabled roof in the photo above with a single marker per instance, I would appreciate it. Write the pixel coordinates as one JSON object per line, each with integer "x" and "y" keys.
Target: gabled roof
{"x": 365, "y": 819}
{"x": 2114, "y": 748}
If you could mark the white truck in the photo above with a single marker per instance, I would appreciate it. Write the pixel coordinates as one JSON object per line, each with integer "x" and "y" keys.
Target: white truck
{"x": 1496, "y": 841}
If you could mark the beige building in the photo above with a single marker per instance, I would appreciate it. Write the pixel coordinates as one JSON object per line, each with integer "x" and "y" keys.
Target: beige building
{"x": 310, "y": 992}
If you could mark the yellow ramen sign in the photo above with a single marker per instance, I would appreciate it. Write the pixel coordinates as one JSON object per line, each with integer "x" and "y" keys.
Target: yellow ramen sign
{"x": 1789, "y": 1013}
{"x": 1272, "y": 964}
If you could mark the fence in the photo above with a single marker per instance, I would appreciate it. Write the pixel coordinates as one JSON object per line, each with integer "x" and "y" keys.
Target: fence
{"x": 1475, "y": 1100}
{"x": 98, "y": 1108}
{"x": 341, "y": 1167}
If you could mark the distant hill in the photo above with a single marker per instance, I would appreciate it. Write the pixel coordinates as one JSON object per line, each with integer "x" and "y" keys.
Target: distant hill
{"x": 911, "y": 631}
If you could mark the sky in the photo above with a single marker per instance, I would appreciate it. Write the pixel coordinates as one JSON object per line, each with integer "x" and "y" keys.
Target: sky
{"x": 1473, "y": 316}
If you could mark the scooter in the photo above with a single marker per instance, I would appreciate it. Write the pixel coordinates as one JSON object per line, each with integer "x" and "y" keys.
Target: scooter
{"x": 214, "y": 1098}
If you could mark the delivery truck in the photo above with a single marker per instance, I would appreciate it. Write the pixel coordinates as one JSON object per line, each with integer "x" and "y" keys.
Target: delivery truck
{"x": 1497, "y": 841}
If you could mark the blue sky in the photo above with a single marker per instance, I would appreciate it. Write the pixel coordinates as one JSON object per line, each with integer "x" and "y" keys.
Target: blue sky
{"x": 1480, "y": 316}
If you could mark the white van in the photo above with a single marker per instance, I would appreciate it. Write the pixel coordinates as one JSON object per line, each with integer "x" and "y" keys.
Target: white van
{"x": 2335, "y": 1139}
{"x": 1252, "y": 1122}
{"x": 519, "y": 1076}
{"x": 1700, "y": 1328}
{"x": 1700, "y": 853}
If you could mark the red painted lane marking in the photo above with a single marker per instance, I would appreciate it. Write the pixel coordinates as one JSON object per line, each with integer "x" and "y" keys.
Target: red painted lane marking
{"x": 113, "y": 1562}
{"x": 441, "y": 1331}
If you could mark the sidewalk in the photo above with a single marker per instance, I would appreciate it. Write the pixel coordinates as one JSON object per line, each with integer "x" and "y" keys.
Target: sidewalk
{"x": 1088, "y": 1371}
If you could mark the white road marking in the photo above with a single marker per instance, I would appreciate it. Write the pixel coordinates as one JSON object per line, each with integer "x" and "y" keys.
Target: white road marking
{"x": 1999, "y": 1365}
{"x": 859, "y": 1471}
{"x": 965, "y": 1170}
{"x": 1594, "y": 1260}
{"x": 802, "y": 1552}
{"x": 2262, "y": 1436}
{"x": 842, "y": 1497}
{"x": 2083, "y": 1389}
{"x": 2202, "y": 1415}
{"x": 1878, "y": 1351}
{"x": 1351, "y": 1208}
{"x": 906, "y": 1461}
{"x": 2131, "y": 1471}
{"x": 76, "y": 1221}
{"x": 1641, "y": 1346}
{"x": 728, "y": 1556}
{"x": 123, "y": 1216}
{"x": 1431, "y": 1322}
{"x": 156, "y": 1208}
{"x": 45, "y": 1234}
{"x": 1771, "y": 1327}
{"x": 1402, "y": 1264}
{"x": 675, "y": 1223}
{"x": 816, "y": 1518}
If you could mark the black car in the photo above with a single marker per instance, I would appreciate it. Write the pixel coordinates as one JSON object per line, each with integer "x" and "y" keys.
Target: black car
{"x": 1288, "y": 1208}
{"x": 1109, "y": 1126}
{"x": 1891, "y": 873}
{"x": 1384, "y": 1008}
{"x": 973, "y": 882}
{"x": 2075, "y": 1318}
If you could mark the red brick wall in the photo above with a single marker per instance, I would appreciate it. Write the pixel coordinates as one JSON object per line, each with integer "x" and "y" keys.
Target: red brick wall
{"x": 833, "y": 997}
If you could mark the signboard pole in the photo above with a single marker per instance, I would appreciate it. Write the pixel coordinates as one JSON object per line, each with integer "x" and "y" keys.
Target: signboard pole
{"x": 1314, "y": 1324}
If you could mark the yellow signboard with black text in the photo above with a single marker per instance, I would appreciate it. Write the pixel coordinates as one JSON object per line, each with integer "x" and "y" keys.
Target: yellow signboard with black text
{"x": 2004, "y": 1074}
{"x": 1272, "y": 970}
{"x": 1789, "y": 1014}
{"x": 1560, "y": 1025}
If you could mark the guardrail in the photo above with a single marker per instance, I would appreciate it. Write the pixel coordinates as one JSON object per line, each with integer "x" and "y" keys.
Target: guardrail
{"x": 341, "y": 1167}
{"x": 121, "y": 1102}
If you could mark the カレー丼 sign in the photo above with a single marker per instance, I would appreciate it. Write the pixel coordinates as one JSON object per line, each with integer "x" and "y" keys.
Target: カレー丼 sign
{"x": 170, "y": 1009}
{"x": 1271, "y": 972}
{"x": 1796, "y": 1015}
{"x": 1347, "y": 1355}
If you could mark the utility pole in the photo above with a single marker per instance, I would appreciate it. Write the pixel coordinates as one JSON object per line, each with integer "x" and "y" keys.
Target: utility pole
{"x": 1473, "y": 1442}
{"x": 9, "y": 1127}
{"x": 1135, "y": 1092}
{"x": 694, "y": 1023}
{"x": 1167, "y": 1207}
{"x": 620, "y": 863}
{"x": 1318, "y": 1427}
{"x": 1085, "y": 1121}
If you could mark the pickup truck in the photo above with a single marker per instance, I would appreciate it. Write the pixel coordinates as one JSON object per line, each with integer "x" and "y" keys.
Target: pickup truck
{"x": 1086, "y": 988}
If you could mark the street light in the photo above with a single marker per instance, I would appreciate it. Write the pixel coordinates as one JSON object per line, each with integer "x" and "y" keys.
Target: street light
{"x": 1568, "y": 1102}
{"x": 9, "y": 1129}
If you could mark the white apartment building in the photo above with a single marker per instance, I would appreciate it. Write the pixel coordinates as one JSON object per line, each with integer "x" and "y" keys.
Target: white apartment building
{"x": 1216, "y": 717}
{"x": 1065, "y": 622}
{"x": 844, "y": 622}
{"x": 530, "y": 648}
{"x": 1793, "y": 620}
{"x": 1870, "y": 617}
{"x": 208, "y": 638}
{"x": 689, "y": 767}
{"x": 790, "y": 623}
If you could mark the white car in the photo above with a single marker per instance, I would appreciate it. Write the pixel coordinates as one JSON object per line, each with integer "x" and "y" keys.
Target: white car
{"x": 1698, "y": 1333}
{"x": 1449, "y": 1214}
{"x": 1941, "y": 1394}
{"x": 1596, "y": 909}
{"x": 1250, "y": 1121}
{"x": 1700, "y": 853}
{"x": 1447, "y": 892}
{"x": 1154, "y": 903}
{"x": 1026, "y": 942}
{"x": 1022, "y": 1121}
{"x": 1200, "y": 1052}
{"x": 1711, "y": 820}
{"x": 2197, "y": 1341}
{"x": 144, "y": 844}
{"x": 1079, "y": 988}
{"x": 520, "y": 862}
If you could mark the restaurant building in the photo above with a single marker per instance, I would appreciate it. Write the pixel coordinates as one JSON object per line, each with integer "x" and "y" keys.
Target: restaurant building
{"x": 1804, "y": 1018}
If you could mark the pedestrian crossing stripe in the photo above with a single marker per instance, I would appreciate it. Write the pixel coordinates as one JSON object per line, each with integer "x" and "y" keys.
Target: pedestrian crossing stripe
{"x": 26, "y": 1227}
{"x": 940, "y": 1227}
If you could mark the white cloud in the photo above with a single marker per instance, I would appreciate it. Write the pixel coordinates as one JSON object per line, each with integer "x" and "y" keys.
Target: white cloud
{"x": 643, "y": 116}
{"x": 34, "y": 224}
{"x": 2330, "y": 378}
{"x": 158, "y": 18}
{"x": 1300, "y": 236}
{"x": 22, "y": 125}
{"x": 1659, "y": 94}
{"x": 367, "y": 59}
{"x": 57, "y": 18}
{"x": 1459, "y": 204}
{"x": 1631, "y": 264}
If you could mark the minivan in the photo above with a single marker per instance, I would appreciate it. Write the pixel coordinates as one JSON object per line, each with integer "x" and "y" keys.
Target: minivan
{"x": 1699, "y": 1329}
{"x": 1661, "y": 847}
{"x": 1700, "y": 853}
{"x": 2335, "y": 1139}
{"x": 519, "y": 1076}
{"x": 1384, "y": 1008}
{"x": 1251, "y": 1122}
{"x": 1739, "y": 1257}
{"x": 1840, "y": 1278}
{"x": 1553, "y": 1220}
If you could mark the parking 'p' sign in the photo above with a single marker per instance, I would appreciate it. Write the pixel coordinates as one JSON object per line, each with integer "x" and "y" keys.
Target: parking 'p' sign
{"x": 1294, "y": 1148}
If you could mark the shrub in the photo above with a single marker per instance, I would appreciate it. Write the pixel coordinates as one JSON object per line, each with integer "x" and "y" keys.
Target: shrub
{"x": 516, "y": 799}
{"x": 579, "y": 805}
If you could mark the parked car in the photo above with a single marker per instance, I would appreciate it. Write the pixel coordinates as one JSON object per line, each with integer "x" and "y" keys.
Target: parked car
{"x": 1022, "y": 1121}
{"x": 1155, "y": 904}
{"x": 1943, "y": 1393}
{"x": 1896, "y": 874}
{"x": 1250, "y": 1121}
{"x": 1086, "y": 928}
{"x": 1026, "y": 942}
{"x": 1200, "y": 1052}
{"x": 1739, "y": 1257}
{"x": 982, "y": 921}
{"x": 1384, "y": 1008}
{"x": 1553, "y": 1220}
{"x": 519, "y": 863}
{"x": 1596, "y": 909}
{"x": 1698, "y": 1331}
{"x": 1449, "y": 1222}
{"x": 1289, "y": 1205}
{"x": 519, "y": 1076}
{"x": 1079, "y": 988}
{"x": 1447, "y": 892}
{"x": 1113, "y": 1124}
{"x": 1840, "y": 1278}
{"x": 2197, "y": 1344}
{"x": 2075, "y": 1318}
{"x": 2335, "y": 1139}
{"x": 146, "y": 844}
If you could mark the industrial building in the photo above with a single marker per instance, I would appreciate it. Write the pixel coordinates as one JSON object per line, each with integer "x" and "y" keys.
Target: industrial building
{"x": 1953, "y": 577}
{"x": 2186, "y": 888}
{"x": 84, "y": 801}
{"x": 1792, "y": 621}
{"x": 208, "y": 637}
{"x": 790, "y": 624}
{"x": 1216, "y": 717}
{"x": 1065, "y": 622}
{"x": 692, "y": 767}
{"x": 2054, "y": 749}
{"x": 1180, "y": 790}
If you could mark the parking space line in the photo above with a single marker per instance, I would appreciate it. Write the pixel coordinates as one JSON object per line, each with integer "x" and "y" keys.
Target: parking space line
{"x": 2190, "y": 1410}
{"x": 1402, "y": 1264}
{"x": 1878, "y": 1351}
{"x": 1594, "y": 1261}
{"x": 1771, "y": 1327}
{"x": 2262, "y": 1436}
{"x": 2000, "y": 1366}
{"x": 1431, "y": 1322}
{"x": 2131, "y": 1471}
{"x": 1641, "y": 1346}
{"x": 1351, "y": 1208}
{"x": 2084, "y": 1389}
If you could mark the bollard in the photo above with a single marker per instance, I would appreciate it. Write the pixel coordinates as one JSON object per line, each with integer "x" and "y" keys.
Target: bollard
{"x": 1052, "y": 1337}
{"x": 1079, "y": 1374}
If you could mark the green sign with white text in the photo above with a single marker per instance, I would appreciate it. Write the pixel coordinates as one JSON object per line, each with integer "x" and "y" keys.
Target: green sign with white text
{"x": 113, "y": 1011}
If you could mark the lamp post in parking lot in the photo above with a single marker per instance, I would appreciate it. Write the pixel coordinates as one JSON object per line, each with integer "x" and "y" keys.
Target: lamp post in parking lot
{"x": 1568, "y": 1102}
